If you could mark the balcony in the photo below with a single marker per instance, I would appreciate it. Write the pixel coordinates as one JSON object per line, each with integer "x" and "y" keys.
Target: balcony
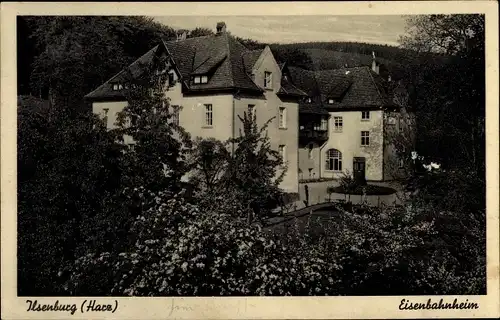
{"x": 313, "y": 135}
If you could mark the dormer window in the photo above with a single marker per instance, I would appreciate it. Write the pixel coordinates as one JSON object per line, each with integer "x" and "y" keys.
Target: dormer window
{"x": 200, "y": 79}
{"x": 171, "y": 78}
{"x": 268, "y": 80}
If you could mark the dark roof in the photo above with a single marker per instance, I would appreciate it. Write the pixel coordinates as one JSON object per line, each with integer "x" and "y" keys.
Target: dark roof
{"x": 305, "y": 80}
{"x": 221, "y": 56}
{"x": 287, "y": 88}
{"x": 314, "y": 108}
{"x": 250, "y": 58}
{"x": 134, "y": 70}
{"x": 351, "y": 88}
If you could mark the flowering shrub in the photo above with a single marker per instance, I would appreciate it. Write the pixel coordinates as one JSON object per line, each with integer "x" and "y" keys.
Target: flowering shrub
{"x": 186, "y": 249}
{"x": 181, "y": 250}
{"x": 393, "y": 250}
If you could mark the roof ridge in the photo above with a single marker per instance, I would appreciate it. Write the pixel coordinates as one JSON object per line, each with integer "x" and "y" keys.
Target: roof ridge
{"x": 189, "y": 39}
{"x": 374, "y": 83}
{"x": 297, "y": 88}
{"x": 228, "y": 46}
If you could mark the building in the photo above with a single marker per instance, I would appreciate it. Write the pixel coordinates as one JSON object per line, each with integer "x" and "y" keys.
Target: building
{"x": 213, "y": 80}
{"x": 347, "y": 124}
{"x": 325, "y": 123}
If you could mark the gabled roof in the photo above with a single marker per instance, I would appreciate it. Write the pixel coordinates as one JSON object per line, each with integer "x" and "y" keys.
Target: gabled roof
{"x": 351, "y": 88}
{"x": 220, "y": 56}
{"x": 106, "y": 89}
{"x": 365, "y": 89}
{"x": 287, "y": 88}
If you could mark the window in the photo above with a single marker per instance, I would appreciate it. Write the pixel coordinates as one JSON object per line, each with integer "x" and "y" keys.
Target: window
{"x": 337, "y": 123}
{"x": 391, "y": 120}
{"x": 105, "y": 117}
{"x": 175, "y": 115}
{"x": 310, "y": 172}
{"x": 171, "y": 79}
{"x": 282, "y": 118}
{"x": 330, "y": 101}
{"x": 251, "y": 110}
{"x": 365, "y": 115}
{"x": 310, "y": 151}
{"x": 208, "y": 115}
{"x": 308, "y": 100}
{"x": 324, "y": 124}
{"x": 333, "y": 160}
{"x": 281, "y": 150}
{"x": 268, "y": 79}
{"x": 200, "y": 79}
{"x": 365, "y": 138}
{"x": 115, "y": 86}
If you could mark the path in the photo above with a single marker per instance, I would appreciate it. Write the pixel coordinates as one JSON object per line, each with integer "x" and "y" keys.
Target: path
{"x": 318, "y": 194}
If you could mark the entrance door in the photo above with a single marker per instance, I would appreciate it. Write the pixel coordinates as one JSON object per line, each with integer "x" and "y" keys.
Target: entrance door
{"x": 359, "y": 164}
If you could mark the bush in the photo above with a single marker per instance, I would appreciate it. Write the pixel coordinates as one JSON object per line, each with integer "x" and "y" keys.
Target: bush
{"x": 368, "y": 190}
{"x": 392, "y": 250}
{"x": 181, "y": 250}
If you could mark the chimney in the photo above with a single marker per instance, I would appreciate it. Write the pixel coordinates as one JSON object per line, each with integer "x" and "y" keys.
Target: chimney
{"x": 221, "y": 27}
{"x": 375, "y": 65}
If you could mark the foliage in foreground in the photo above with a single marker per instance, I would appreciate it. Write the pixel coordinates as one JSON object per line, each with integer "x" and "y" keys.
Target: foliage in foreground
{"x": 246, "y": 180}
{"x": 184, "y": 250}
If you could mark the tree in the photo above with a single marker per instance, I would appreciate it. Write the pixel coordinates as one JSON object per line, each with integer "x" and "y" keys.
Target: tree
{"x": 156, "y": 158}
{"x": 254, "y": 170}
{"x": 449, "y": 34}
{"x": 69, "y": 64}
{"x": 209, "y": 161}
{"x": 448, "y": 95}
{"x": 66, "y": 168}
{"x": 200, "y": 32}
{"x": 294, "y": 57}
{"x": 74, "y": 55}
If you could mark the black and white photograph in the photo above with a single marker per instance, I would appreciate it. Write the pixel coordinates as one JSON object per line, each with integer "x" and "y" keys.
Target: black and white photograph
{"x": 252, "y": 155}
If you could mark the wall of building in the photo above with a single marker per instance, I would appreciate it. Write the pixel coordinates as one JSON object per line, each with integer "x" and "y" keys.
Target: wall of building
{"x": 309, "y": 164}
{"x": 192, "y": 113}
{"x": 266, "y": 108}
{"x": 113, "y": 107}
{"x": 348, "y": 142}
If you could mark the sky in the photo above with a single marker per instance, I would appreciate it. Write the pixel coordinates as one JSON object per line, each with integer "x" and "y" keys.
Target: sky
{"x": 290, "y": 29}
